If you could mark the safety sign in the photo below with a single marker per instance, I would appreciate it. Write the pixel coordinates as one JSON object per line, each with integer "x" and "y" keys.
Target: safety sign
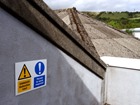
{"x": 30, "y": 75}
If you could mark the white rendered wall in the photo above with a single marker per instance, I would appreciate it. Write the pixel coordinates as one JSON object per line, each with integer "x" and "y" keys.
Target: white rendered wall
{"x": 122, "y": 86}
{"x": 91, "y": 81}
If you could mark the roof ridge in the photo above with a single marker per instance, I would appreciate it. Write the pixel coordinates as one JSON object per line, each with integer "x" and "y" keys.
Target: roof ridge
{"x": 74, "y": 18}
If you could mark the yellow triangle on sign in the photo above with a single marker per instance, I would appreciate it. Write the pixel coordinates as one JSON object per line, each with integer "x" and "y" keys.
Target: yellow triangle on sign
{"x": 24, "y": 73}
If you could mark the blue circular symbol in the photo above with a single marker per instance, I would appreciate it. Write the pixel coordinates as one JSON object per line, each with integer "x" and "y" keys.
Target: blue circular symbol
{"x": 39, "y": 68}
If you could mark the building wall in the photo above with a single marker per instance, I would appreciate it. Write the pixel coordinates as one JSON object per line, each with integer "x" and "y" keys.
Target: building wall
{"x": 68, "y": 82}
{"x": 122, "y": 86}
{"x": 136, "y": 34}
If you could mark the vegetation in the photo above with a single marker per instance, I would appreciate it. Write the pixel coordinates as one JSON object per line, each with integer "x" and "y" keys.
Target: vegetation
{"x": 129, "y": 31}
{"x": 92, "y": 14}
{"x": 119, "y": 20}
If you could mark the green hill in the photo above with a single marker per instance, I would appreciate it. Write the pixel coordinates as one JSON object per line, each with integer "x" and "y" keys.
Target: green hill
{"x": 119, "y": 20}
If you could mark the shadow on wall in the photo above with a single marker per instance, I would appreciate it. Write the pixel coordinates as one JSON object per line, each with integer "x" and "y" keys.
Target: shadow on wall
{"x": 64, "y": 86}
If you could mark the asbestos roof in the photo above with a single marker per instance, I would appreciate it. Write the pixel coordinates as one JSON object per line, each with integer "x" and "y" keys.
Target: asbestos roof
{"x": 106, "y": 40}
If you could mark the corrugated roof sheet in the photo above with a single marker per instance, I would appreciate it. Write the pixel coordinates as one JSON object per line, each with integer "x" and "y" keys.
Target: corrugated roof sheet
{"x": 106, "y": 40}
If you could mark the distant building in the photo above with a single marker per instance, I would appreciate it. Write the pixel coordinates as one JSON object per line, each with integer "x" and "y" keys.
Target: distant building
{"x": 135, "y": 32}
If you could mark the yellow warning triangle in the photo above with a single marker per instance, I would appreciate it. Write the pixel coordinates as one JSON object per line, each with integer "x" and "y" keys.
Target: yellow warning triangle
{"x": 24, "y": 73}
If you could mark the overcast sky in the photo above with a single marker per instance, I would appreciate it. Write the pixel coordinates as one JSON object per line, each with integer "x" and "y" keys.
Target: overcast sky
{"x": 96, "y": 5}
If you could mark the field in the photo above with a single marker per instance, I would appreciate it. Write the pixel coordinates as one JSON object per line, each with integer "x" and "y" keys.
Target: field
{"x": 119, "y": 20}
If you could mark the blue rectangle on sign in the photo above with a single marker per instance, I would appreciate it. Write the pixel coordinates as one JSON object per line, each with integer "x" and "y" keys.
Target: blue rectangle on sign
{"x": 39, "y": 81}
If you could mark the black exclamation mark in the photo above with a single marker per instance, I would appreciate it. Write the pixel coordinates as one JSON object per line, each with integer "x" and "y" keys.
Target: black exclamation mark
{"x": 24, "y": 72}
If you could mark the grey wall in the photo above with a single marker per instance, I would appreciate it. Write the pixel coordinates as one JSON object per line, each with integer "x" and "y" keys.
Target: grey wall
{"x": 68, "y": 83}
